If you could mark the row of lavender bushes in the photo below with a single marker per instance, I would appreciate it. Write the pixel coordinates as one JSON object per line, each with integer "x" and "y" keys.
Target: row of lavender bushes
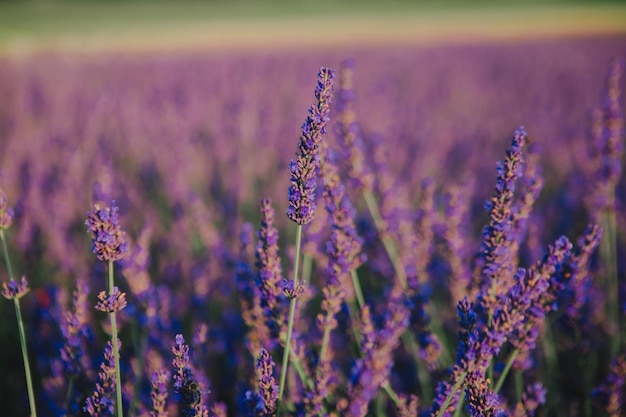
{"x": 404, "y": 292}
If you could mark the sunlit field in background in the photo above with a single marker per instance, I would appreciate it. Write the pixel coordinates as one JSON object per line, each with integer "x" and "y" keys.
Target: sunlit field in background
{"x": 437, "y": 280}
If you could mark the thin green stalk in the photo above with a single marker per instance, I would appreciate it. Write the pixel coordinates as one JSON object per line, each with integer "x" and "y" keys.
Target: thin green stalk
{"x": 459, "y": 407}
{"x": 68, "y": 395}
{"x": 20, "y": 326}
{"x": 450, "y": 396}
{"x": 388, "y": 243}
{"x": 519, "y": 386}
{"x": 423, "y": 375}
{"x": 116, "y": 353}
{"x": 356, "y": 283}
{"x": 550, "y": 353}
{"x": 139, "y": 346}
{"x": 29, "y": 382}
{"x": 292, "y": 311}
{"x": 505, "y": 371}
{"x": 6, "y": 255}
{"x": 609, "y": 257}
{"x": 307, "y": 267}
{"x": 357, "y": 288}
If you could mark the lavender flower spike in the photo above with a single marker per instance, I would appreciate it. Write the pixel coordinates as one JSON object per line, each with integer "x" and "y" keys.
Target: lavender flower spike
{"x": 186, "y": 388}
{"x": 101, "y": 401}
{"x": 108, "y": 238}
{"x": 303, "y": 171}
{"x": 268, "y": 388}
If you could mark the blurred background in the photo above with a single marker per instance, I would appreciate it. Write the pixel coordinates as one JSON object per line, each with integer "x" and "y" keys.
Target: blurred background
{"x": 187, "y": 113}
{"x": 165, "y": 25}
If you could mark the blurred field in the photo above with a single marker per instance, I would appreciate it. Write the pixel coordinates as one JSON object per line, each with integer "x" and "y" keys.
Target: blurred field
{"x": 27, "y": 28}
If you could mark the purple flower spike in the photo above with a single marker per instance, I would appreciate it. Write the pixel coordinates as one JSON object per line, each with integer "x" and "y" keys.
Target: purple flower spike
{"x": 187, "y": 390}
{"x": 6, "y": 212}
{"x": 268, "y": 388}
{"x": 108, "y": 238}
{"x": 101, "y": 402}
{"x": 304, "y": 171}
{"x": 158, "y": 395}
{"x": 497, "y": 269}
{"x": 270, "y": 273}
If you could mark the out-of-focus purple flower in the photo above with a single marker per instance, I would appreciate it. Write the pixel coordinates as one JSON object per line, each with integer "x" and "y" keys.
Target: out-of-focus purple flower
{"x": 496, "y": 269}
{"x": 6, "y": 212}
{"x": 610, "y": 395}
{"x": 113, "y": 302}
{"x": 101, "y": 402}
{"x": 607, "y": 145}
{"x": 581, "y": 283}
{"x": 349, "y": 132}
{"x": 107, "y": 237}
{"x": 186, "y": 389}
{"x": 158, "y": 394}
{"x": 15, "y": 289}
{"x": 407, "y": 406}
{"x": 455, "y": 235}
{"x": 304, "y": 170}
{"x": 531, "y": 186}
{"x": 533, "y": 397}
{"x": 268, "y": 388}
{"x": 270, "y": 274}
{"x": 372, "y": 370}
{"x": 74, "y": 328}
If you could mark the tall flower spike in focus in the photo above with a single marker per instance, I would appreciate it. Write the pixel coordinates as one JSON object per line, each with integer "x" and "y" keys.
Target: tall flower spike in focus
{"x": 109, "y": 245}
{"x": 304, "y": 170}
{"x": 108, "y": 238}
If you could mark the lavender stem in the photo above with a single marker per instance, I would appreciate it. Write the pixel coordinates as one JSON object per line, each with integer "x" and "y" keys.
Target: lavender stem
{"x": 292, "y": 312}
{"x": 609, "y": 258}
{"x": 451, "y": 395}
{"x": 20, "y": 326}
{"x": 505, "y": 371}
{"x": 116, "y": 354}
{"x": 388, "y": 243}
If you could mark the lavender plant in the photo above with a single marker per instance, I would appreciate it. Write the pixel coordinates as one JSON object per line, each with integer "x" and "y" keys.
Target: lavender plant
{"x": 109, "y": 245}
{"x": 399, "y": 276}
{"x": 15, "y": 290}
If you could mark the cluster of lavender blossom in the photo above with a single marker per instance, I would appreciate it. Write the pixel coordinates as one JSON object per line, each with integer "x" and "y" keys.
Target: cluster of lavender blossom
{"x": 390, "y": 304}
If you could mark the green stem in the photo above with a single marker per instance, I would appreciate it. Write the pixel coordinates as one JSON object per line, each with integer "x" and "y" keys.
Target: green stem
{"x": 450, "y": 396}
{"x": 505, "y": 371}
{"x": 519, "y": 386}
{"x": 6, "y": 255}
{"x": 357, "y": 288}
{"x": 116, "y": 353}
{"x": 68, "y": 395}
{"x": 388, "y": 243}
{"x": 20, "y": 326}
{"x": 609, "y": 257}
{"x": 423, "y": 375}
{"x": 29, "y": 382}
{"x": 139, "y": 342}
{"x": 292, "y": 311}
{"x": 459, "y": 408}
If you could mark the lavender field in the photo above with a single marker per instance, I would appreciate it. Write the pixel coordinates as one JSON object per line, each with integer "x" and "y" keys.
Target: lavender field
{"x": 267, "y": 238}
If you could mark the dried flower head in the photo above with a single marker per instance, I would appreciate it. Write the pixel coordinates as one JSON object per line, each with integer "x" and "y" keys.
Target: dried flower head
{"x": 15, "y": 289}
{"x": 111, "y": 303}
{"x": 108, "y": 238}
{"x": 292, "y": 291}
